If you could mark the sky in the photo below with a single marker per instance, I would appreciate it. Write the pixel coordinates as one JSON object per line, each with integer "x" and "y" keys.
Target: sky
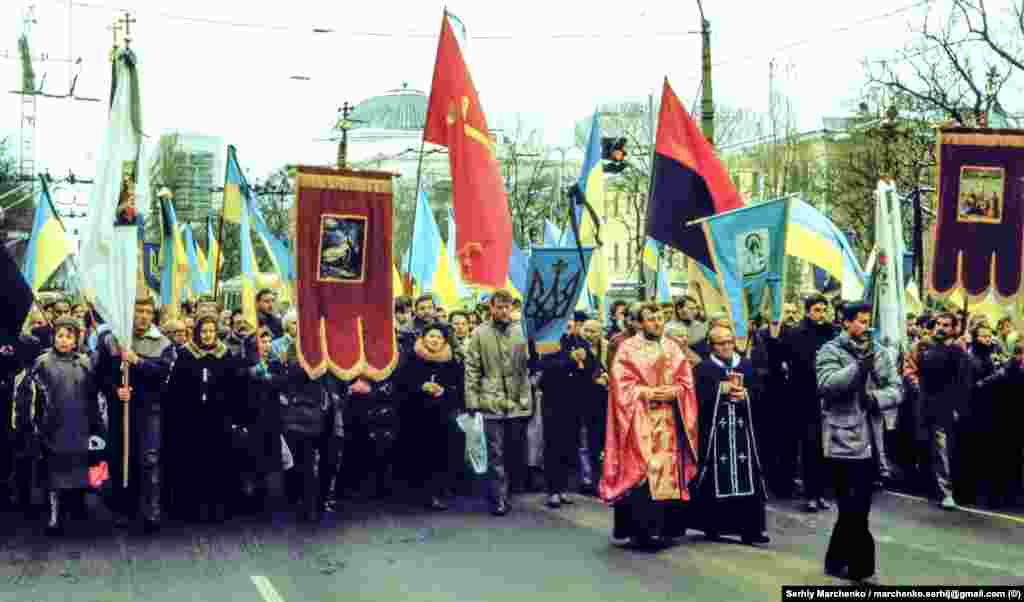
{"x": 223, "y": 68}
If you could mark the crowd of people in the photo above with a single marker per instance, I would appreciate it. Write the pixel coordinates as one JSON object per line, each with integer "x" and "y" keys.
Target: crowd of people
{"x": 208, "y": 416}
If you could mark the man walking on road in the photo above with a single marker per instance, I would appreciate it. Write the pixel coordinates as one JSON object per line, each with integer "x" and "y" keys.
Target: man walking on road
{"x": 857, "y": 380}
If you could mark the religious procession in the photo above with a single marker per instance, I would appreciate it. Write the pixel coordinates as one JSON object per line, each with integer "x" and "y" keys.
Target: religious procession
{"x": 768, "y": 397}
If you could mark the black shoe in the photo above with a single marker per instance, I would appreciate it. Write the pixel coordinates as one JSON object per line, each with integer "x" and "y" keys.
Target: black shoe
{"x": 823, "y": 504}
{"x": 712, "y": 536}
{"x": 500, "y": 507}
{"x": 566, "y": 499}
{"x": 437, "y": 503}
{"x": 150, "y": 527}
{"x": 755, "y": 539}
{"x": 811, "y": 506}
{"x": 554, "y": 501}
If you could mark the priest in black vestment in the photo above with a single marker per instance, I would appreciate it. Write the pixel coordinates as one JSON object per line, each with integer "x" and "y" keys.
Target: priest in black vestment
{"x": 730, "y": 486}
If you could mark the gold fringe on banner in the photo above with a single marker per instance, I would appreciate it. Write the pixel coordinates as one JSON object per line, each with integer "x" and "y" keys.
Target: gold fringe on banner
{"x": 327, "y": 178}
{"x": 982, "y": 137}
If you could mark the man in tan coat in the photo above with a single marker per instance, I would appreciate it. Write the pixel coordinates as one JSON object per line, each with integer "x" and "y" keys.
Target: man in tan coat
{"x": 497, "y": 386}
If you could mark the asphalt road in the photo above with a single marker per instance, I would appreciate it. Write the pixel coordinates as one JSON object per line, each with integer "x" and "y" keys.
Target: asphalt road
{"x": 393, "y": 552}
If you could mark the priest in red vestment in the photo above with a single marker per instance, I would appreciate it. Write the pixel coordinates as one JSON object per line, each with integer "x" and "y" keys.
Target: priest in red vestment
{"x": 651, "y": 442}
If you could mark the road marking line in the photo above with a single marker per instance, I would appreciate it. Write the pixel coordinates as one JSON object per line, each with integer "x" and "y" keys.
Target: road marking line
{"x": 1010, "y": 517}
{"x": 266, "y": 589}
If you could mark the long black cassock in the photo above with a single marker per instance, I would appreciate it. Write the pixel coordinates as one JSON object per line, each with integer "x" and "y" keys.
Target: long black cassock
{"x": 730, "y": 490}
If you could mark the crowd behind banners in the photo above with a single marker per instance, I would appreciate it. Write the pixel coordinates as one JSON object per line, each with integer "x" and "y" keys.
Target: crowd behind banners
{"x": 222, "y": 421}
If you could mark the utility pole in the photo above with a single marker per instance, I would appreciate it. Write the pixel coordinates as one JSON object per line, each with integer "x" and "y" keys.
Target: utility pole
{"x": 707, "y": 106}
{"x": 772, "y": 122}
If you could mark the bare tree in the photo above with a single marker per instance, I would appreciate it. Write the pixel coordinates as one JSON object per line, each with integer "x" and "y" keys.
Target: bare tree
{"x": 957, "y": 64}
{"x": 533, "y": 183}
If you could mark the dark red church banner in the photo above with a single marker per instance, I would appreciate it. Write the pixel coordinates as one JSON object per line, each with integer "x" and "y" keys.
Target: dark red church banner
{"x": 978, "y": 237}
{"x": 342, "y": 234}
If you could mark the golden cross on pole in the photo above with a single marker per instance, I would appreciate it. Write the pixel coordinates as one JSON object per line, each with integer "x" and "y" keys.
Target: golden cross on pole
{"x": 127, "y": 20}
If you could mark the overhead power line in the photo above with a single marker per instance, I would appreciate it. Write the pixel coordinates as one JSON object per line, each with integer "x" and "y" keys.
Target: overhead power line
{"x": 576, "y": 35}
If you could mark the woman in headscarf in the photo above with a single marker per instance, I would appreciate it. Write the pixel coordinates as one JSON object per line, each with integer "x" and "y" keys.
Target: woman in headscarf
{"x": 433, "y": 382}
{"x": 258, "y": 422}
{"x": 57, "y": 417}
{"x": 197, "y": 416}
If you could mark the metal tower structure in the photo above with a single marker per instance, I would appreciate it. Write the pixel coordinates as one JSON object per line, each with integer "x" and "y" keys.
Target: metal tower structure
{"x": 28, "y": 94}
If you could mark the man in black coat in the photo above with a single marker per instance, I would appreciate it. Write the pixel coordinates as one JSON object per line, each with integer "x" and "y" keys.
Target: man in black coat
{"x": 939, "y": 369}
{"x": 730, "y": 486}
{"x": 567, "y": 377}
{"x": 800, "y": 348}
{"x": 150, "y": 359}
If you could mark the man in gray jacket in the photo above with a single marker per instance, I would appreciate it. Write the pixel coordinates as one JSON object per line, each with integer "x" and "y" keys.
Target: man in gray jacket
{"x": 857, "y": 381}
{"x": 497, "y": 386}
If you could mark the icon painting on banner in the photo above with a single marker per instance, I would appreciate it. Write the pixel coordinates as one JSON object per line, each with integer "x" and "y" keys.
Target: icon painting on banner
{"x": 981, "y": 194}
{"x": 342, "y": 248}
{"x": 753, "y": 252}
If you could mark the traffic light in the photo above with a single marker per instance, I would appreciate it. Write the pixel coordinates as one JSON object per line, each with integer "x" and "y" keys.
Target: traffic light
{"x": 613, "y": 151}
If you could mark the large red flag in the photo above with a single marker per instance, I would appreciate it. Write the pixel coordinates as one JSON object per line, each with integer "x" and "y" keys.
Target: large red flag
{"x": 455, "y": 119}
{"x": 689, "y": 182}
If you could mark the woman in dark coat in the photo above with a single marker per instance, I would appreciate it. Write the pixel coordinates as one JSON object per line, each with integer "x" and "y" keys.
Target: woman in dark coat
{"x": 433, "y": 383}
{"x": 198, "y": 414}
{"x": 57, "y": 415}
{"x": 258, "y": 425}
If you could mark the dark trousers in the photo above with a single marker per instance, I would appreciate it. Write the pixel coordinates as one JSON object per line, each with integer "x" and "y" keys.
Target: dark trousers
{"x": 142, "y": 495}
{"x": 813, "y": 460}
{"x": 597, "y": 423}
{"x": 561, "y": 442}
{"x": 6, "y": 443}
{"x": 852, "y": 547}
{"x": 303, "y": 483}
{"x": 779, "y": 446}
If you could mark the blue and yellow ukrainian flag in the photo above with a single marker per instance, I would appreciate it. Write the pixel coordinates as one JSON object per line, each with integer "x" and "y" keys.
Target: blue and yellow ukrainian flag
{"x": 213, "y": 259}
{"x": 812, "y": 236}
{"x": 47, "y": 246}
{"x": 277, "y": 250}
{"x": 236, "y": 189}
{"x": 430, "y": 266}
{"x": 591, "y": 184}
{"x": 197, "y": 283}
{"x": 174, "y": 263}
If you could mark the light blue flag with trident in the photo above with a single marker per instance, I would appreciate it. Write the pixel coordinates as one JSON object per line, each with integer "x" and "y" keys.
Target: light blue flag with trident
{"x": 554, "y": 281}
{"x": 748, "y": 248}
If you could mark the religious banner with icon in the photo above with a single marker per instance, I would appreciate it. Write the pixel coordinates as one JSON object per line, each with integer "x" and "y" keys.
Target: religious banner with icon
{"x": 344, "y": 273}
{"x": 978, "y": 235}
{"x": 748, "y": 249}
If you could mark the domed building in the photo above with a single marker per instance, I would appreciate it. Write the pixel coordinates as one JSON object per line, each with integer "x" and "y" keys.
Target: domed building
{"x": 386, "y": 133}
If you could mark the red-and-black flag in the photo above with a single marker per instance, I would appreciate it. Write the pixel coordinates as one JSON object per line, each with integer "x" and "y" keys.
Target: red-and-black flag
{"x": 17, "y": 297}
{"x": 688, "y": 182}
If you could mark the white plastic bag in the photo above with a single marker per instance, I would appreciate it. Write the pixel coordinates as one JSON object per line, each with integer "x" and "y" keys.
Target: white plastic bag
{"x": 476, "y": 440}
{"x": 287, "y": 460}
